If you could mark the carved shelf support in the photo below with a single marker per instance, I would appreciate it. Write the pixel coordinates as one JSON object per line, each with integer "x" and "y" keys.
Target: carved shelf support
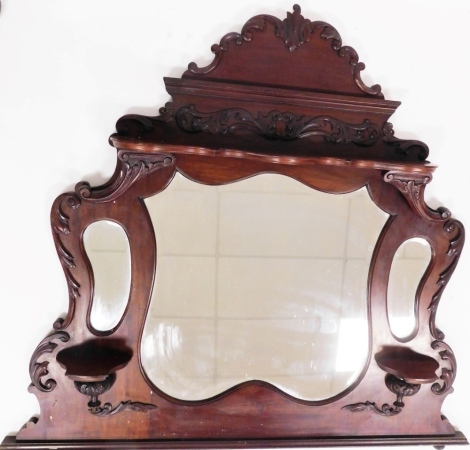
{"x": 134, "y": 167}
{"x": 38, "y": 370}
{"x": 412, "y": 185}
{"x": 396, "y": 385}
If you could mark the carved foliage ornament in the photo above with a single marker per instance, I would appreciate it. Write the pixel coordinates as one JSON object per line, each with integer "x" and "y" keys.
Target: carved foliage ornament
{"x": 295, "y": 30}
{"x": 39, "y": 369}
{"x": 276, "y": 125}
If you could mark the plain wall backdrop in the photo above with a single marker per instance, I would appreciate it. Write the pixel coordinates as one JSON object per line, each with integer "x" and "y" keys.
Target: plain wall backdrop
{"x": 69, "y": 70}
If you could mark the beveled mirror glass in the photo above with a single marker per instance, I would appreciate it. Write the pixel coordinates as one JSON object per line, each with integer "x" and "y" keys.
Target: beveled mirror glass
{"x": 262, "y": 279}
{"x": 408, "y": 268}
{"x": 107, "y": 248}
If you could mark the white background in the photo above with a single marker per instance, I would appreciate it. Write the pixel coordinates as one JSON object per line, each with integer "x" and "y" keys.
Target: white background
{"x": 69, "y": 70}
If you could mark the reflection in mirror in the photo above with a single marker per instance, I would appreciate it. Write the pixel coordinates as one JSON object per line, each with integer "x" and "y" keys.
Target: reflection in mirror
{"x": 261, "y": 279}
{"x": 107, "y": 248}
{"x": 408, "y": 267}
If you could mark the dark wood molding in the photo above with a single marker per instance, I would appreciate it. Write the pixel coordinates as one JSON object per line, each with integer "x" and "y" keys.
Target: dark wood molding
{"x": 250, "y": 112}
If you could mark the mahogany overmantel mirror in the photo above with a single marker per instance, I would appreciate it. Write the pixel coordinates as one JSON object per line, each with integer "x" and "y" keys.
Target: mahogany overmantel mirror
{"x": 260, "y": 271}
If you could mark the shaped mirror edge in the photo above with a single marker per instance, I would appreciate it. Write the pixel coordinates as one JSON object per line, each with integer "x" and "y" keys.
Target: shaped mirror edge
{"x": 409, "y": 267}
{"x": 230, "y": 124}
{"x": 107, "y": 247}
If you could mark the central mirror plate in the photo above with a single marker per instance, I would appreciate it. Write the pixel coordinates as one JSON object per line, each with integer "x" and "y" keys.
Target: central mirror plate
{"x": 263, "y": 279}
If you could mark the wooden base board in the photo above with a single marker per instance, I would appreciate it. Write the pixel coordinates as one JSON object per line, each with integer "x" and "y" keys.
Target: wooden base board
{"x": 10, "y": 442}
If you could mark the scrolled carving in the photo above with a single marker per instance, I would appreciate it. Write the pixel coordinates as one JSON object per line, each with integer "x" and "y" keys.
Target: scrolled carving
{"x": 396, "y": 385}
{"x": 448, "y": 374}
{"x": 134, "y": 167}
{"x": 95, "y": 388}
{"x": 108, "y": 410}
{"x": 275, "y": 125}
{"x": 412, "y": 185}
{"x": 295, "y": 30}
{"x": 137, "y": 125}
{"x": 404, "y": 146}
{"x": 38, "y": 370}
{"x": 60, "y": 219}
{"x": 456, "y": 241}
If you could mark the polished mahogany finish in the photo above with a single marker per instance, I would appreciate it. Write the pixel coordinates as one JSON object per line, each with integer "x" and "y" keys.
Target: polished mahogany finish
{"x": 285, "y": 97}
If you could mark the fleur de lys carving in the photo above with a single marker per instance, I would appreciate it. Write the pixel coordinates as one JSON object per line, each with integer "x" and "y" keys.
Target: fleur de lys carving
{"x": 37, "y": 369}
{"x": 276, "y": 125}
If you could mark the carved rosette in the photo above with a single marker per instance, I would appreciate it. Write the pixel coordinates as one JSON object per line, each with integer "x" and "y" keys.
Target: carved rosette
{"x": 294, "y": 31}
{"x": 38, "y": 369}
{"x": 412, "y": 186}
{"x": 448, "y": 374}
{"x": 276, "y": 125}
{"x": 134, "y": 167}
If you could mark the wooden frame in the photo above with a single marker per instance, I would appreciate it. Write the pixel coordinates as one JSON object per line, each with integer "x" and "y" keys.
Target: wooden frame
{"x": 282, "y": 96}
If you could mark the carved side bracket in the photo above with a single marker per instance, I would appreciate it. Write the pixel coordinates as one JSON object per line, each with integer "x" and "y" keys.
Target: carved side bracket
{"x": 276, "y": 125}
{"x": 38, "y": 370}
{"x": 134, "y": 167}
{"x": 448, "y": 374}
{"x": 412, "y": 185}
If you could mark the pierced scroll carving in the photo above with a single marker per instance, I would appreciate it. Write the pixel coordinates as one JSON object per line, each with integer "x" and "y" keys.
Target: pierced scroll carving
{"x": 276, "y": 125}
{"x": 61, "y": 227}
{"x": 396, "y": 385}
{"x": 455, "y": 229}
{"x": 38, "y": 370}
{"x": 404, "y": 146}
{"x": 295, "y": 30}
{"x": 448, "y": 374}
{"x": 412, "y": 185}
{"x": 134, "y": 167}
{"x": 137, "y": 125}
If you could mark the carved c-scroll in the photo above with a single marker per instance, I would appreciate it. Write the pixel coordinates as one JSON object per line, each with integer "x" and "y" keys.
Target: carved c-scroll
{"x": 412, "y": 185}
{"x": 134, "y": 167}
{"x": 295, "y": 30}
{"x": 38, "y": 370}
{"x": 448, "y": 374}
{"x": 404, "y": 146}
{"x": 276, "y": 125}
